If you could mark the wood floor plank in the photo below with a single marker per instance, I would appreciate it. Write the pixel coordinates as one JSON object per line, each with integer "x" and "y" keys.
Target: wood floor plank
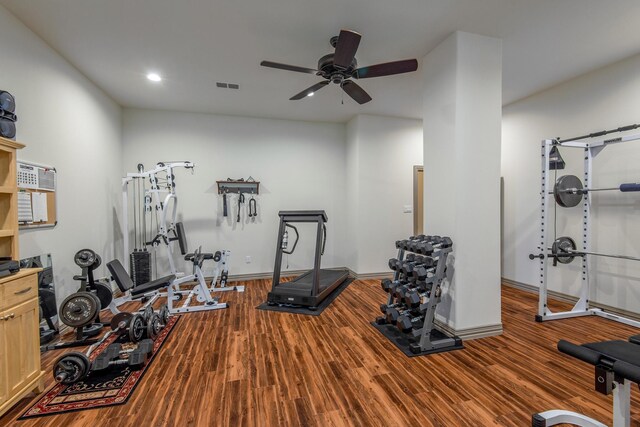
{"x": 248, "y": 367}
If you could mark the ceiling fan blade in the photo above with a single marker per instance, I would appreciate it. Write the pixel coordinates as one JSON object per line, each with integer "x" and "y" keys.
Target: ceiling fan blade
{"x": 386, "y": 69}
{"x": 288, "y": 67}
{"x": 310, "y": 90}
{"x": 346, "y": 48}
{"x": 356, "y": 92}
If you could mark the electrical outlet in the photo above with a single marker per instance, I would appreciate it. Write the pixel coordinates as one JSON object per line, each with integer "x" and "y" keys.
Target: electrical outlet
{"x": 247, "y": 259}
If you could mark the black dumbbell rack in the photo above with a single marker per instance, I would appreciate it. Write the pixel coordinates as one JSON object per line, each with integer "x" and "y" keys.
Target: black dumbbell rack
{"x": 414, "y": 293}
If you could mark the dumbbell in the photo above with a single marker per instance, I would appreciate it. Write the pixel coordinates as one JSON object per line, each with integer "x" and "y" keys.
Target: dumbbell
{"x": 403, "y": 244}
{"x": 413, "y": 298}
{"x": 395, "y": 264}
{"x": 389, "y": 285}
{"x": 394, "y": 313}
{"x": 420, "y": 261}
{"x": 112, "y": 356}
{"x": 419, "y": 245}
{"x": 385, "y": 307}
{"x": 407, "y": 266}
{"x": 400, "y": 291}
{"x": 441, "y": 242}
{"x": 421, "y": 272}
{"x": 406, "y": 322}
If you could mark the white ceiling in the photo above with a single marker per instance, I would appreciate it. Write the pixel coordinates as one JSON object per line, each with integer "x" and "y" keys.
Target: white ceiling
{"x": 194, "y": 43}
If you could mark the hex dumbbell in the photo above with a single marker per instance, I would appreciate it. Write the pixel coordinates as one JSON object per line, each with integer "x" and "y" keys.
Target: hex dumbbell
{"x": 113, "y": 356}
{"x": 413, "y": 299}
{"x": 406, "y": 322}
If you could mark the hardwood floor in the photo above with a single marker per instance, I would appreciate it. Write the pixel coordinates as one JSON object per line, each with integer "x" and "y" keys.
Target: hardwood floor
{"x": 243, "y": 366}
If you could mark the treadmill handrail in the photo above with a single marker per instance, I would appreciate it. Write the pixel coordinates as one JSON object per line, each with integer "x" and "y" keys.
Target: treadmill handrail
{"x": 294, "y": 243}
{"x": 302, "y": 216}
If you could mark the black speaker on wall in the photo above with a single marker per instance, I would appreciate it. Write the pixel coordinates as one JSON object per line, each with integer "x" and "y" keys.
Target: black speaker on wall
{"x": 8, "y": 116}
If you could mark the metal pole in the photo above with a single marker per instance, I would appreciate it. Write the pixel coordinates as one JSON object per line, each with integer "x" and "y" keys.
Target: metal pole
{"x": 542, "y": 298}
{"x": 578, "y": 253}
{"x": 586, "y": 190}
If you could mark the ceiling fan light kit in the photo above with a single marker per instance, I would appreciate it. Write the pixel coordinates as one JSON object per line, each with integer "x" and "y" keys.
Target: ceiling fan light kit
{"x": 341, "y": 66}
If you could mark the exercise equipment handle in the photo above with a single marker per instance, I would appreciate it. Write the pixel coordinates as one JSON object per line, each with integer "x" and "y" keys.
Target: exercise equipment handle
{"x": 629, "y": 186}
{"x": 224, "y": 204}
{"x": 627, "y": 370}
{"x": 579, "y": 352}
{"x": 295, "y": 243}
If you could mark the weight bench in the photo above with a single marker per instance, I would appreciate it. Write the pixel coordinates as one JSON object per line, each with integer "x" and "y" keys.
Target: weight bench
{"x": 197, "y": 258}
{"x": 150, "y": 289}
{"x": 617, "y": 365}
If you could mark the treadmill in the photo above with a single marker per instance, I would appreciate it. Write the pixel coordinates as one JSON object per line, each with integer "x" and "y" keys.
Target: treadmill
{"x": 312, "y": 287}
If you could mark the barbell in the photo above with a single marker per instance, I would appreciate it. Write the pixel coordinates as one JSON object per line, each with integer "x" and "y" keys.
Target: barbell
{"x": 568, "y": 190}
{"x": 564, "y": 251}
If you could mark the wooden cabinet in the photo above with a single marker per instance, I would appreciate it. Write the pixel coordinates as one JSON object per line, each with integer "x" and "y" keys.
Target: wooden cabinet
{"x": 20, "y": 371}
{"x": 8, "y": 198}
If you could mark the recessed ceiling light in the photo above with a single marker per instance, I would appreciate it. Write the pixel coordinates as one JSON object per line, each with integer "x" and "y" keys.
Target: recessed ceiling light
{"x": 154, "y": 77}
{"x": 310, "y": 94}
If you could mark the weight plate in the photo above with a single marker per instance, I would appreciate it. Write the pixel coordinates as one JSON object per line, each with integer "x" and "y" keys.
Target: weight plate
{"x": 85, "y": 258}
{"x": 7, "y": 102}
{"x": 563, "y": 191}
{"x": 7, "y": 128}
{"x": 154, "y": 326}
{"x": 563, "y": 245}
{"x": 96, "y": 299}
{"x": 71, "y": 367}
{"x": 123, "y": 316}
{"x": 79, "y": 309}
{"x": 164, "y": 314}
{"x": 137, "y": 328}
{"x": 97, "y": 262}
{"x": 147, "y": 313}
{"x": 104, "y": 294}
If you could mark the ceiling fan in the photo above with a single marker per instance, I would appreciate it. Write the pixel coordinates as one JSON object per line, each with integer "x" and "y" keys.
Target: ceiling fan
{"x": 340, "y": 67}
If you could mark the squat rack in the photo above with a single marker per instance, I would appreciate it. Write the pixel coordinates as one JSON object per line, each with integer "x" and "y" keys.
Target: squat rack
{"x": 591, "y": 150}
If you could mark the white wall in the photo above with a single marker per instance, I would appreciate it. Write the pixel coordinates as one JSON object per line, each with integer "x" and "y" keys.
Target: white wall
{"x": 381, "y": 154}
{"x": 300, "y": 165}
{"x": 361, "y": 174}
{"x": 604, "y": 99}
{"x": 462, "y": 114}
{"x": 66, "y": 122}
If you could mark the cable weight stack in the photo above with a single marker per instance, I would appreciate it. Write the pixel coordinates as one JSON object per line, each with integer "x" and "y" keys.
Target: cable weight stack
{"x": 140, "y": 267}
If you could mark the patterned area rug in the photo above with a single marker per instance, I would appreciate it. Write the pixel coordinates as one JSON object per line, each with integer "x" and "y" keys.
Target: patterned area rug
{"x": 111, "y": 387}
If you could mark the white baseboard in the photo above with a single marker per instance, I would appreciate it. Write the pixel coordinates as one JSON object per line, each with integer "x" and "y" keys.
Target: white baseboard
{"x": 471, "y": 333}
{"x": 269, "y": 275}
{"x": 570, "y": 298}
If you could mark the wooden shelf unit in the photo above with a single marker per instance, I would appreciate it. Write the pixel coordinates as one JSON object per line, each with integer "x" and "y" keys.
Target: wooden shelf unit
{"x": 8, "y": 199}
{"x": 20, "y": 370}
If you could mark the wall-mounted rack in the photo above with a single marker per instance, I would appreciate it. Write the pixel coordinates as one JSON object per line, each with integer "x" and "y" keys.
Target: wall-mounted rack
{"x": 36, "y": 195}
{"x": 238, "y": 187}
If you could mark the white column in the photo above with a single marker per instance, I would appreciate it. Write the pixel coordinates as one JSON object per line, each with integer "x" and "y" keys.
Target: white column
{"x": 462, "y": 82}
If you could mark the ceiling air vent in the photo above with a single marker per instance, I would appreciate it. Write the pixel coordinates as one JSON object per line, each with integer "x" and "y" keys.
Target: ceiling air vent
{"x": 227, "y": 85}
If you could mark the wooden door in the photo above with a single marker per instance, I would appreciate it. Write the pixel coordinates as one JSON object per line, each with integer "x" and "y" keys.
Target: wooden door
{"x": 418, "y": 200}
{"x": 21, "y": 337}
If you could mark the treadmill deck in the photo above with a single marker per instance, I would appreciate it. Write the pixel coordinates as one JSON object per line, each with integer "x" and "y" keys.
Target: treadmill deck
{"x": 298, "y": 291}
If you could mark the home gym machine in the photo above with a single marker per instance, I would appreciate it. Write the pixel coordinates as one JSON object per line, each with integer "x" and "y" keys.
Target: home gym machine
{"x": 157, "y": 200}
{"x": 160, "y": 201}
{"x": 312, "y": 287}
{"x": 568, "y": 191}
{"x": 617, "y": 365}
{"x": 419, "y": 271}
